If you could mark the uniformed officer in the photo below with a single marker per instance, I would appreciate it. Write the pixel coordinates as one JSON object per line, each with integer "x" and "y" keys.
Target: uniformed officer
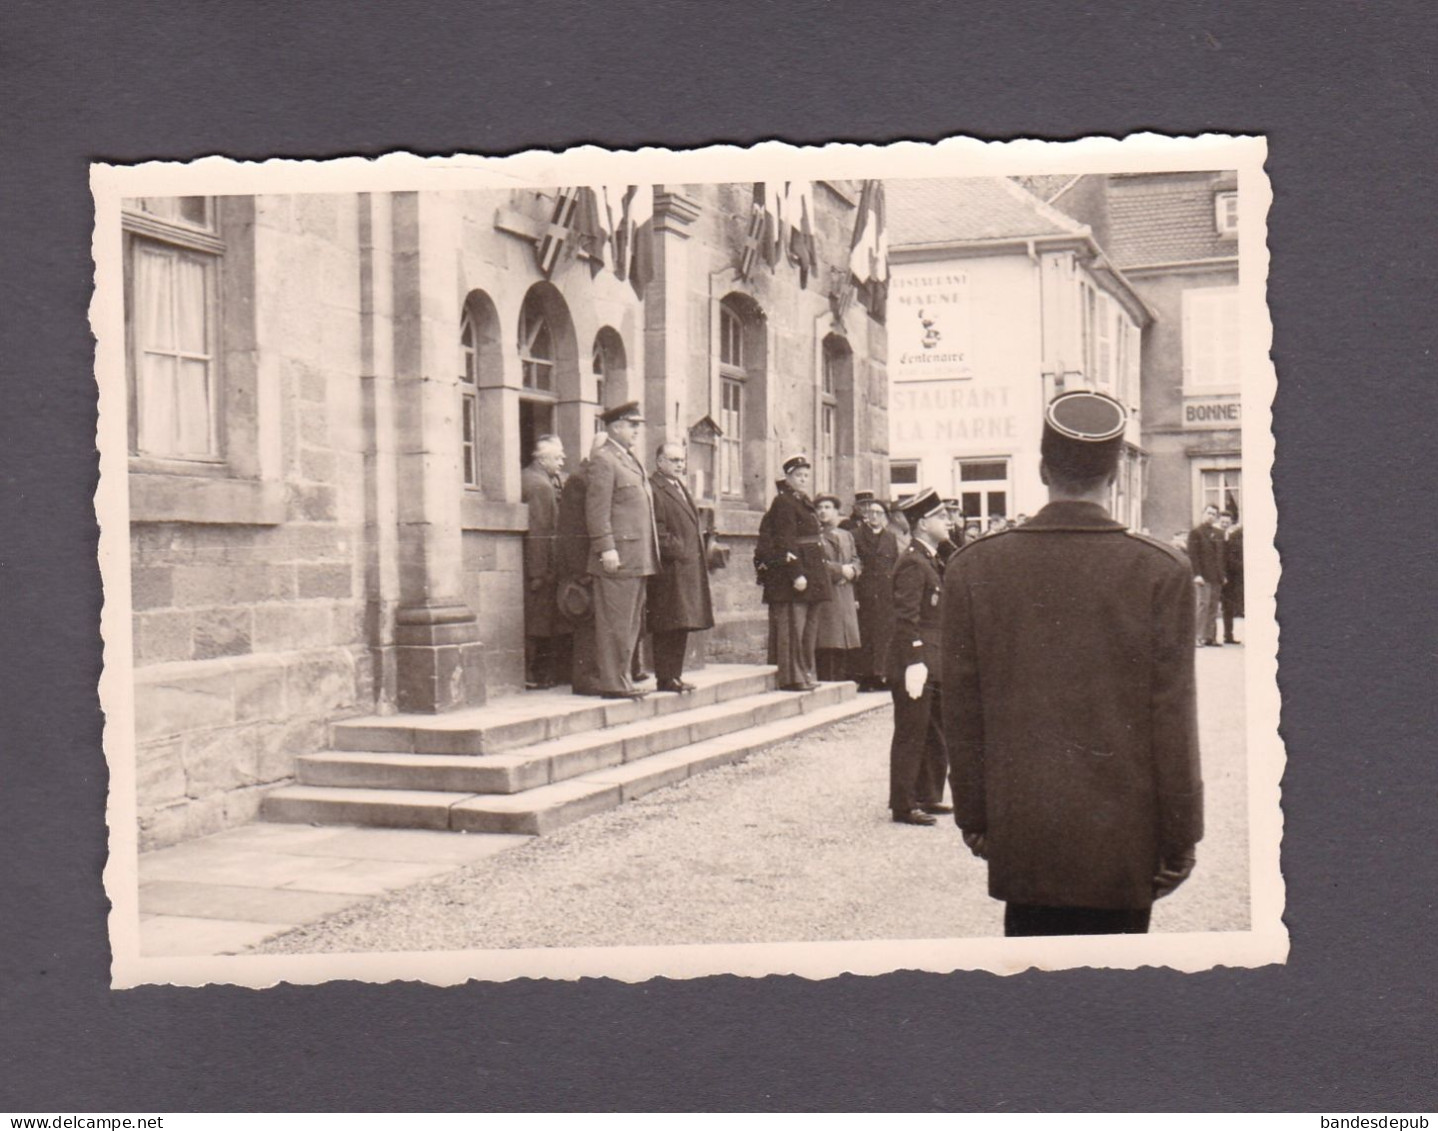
{"x": 1068, "y": 697}
{"x": 789, "y": 558}
{"x": 918, "y": 757}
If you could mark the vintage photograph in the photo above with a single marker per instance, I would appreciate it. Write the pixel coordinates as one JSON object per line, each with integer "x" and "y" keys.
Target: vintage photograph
{"x": 782, "y": 560}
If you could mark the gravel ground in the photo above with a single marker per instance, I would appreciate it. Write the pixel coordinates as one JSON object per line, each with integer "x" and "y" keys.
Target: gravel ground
{"x": 794, "y": 844}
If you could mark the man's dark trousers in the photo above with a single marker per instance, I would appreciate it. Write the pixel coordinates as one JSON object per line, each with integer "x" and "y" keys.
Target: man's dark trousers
{"x": 669, "y": 650}
{"x": 918, "y": 754}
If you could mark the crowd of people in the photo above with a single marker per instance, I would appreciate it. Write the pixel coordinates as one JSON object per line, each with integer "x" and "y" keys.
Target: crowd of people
{"x": 1042, "y": 669}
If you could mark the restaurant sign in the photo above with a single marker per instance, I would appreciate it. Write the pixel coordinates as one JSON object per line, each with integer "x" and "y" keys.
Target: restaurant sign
{"x": 930, "y": 334}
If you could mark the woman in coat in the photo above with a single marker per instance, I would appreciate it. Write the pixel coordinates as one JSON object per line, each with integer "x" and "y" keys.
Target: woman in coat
{"x": 838, "y": 640}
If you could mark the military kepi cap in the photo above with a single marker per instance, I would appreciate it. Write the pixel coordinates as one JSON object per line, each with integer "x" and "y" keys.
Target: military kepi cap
{"x": 1083, "y": 434}
{"x": 863, "y": 497}
{"x": 794, "y": 462}
{"x": 628, "y": 411}
{"x": 925, "y": 503}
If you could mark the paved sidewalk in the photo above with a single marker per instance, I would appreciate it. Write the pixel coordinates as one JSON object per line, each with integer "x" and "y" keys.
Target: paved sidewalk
{"x": 223, "y": 893}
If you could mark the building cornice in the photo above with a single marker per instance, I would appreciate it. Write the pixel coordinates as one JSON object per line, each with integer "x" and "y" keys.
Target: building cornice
{"x": 1226, "y": 263}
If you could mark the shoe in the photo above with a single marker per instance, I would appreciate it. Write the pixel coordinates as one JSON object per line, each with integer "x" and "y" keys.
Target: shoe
{"x": 913, "y": 817}
{"x": 635, "y": 694}
{"x": 937, "y": 807}
{"x": 640, "y": 676}
{"x": 539, "y": 685}
{"x": 676, "y": 685}
{"x": 1229, "y": 640}
{"x": 797, "y": 686}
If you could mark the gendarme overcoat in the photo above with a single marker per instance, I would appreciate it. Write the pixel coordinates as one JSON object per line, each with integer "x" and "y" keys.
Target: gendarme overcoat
{"x": 789, "y": 547}
{"x": 1068, "y": 704}
{"x": 679, "y": 593}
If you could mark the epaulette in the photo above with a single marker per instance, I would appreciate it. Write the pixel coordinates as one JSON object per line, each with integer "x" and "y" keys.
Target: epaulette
{"x": 1149, "y": 540}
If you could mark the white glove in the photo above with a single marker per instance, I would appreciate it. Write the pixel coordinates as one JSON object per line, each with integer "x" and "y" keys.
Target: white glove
{"x": 801, "y": 583}
{"x": 609, "y": 561}
{"x": 915, "y": 676}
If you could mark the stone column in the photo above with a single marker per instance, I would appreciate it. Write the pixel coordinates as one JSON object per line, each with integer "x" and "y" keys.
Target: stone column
{"x": 438, "y": 655}
{"x": 666, "y": 321}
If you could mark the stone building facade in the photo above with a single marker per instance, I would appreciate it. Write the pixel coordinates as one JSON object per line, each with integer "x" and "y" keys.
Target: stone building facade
{"x": 1175, "y": 235}
{"x": 332, "y": 397}
{"x": 998, "y": 302}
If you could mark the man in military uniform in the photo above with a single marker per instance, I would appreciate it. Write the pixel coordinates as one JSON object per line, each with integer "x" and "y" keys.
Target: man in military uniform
{"x": 623, "y": 548}
{"x": 789, "y": 558}
{"x": 918, "y": 755}
{"x": 1068, "y": 698}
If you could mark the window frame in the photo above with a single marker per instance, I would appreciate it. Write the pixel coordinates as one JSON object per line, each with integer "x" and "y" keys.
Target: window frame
{"x": 730, "y": 480}
{"x": 528, "y": 359}
{"x": 469, "y": 402}
{"x": 146, "y": 232}
{"x": 1226, "y": 306}
{"x": 1225, "y": 213}
{"x": 983, "y": 488}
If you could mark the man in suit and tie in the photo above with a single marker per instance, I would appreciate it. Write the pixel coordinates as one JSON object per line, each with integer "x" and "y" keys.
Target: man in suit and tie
{"x": 679, "y": 600}
{"x": 623, "y": 548}
{"x": 1206, "y": 553}
{"x": 544, "y": 630}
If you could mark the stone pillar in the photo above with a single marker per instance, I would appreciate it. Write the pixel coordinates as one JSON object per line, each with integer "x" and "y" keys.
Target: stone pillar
{"x": 666, "y": 322}
{"x": 438, "y": 655}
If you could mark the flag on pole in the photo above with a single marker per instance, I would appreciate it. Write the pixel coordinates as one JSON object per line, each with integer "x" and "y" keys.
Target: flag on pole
{"x": 798, "y": 214}
{"x": 554, "y": 240}
{"x": 751, "y": 252}
{"x": 869, "y": 252}
{"x": 634, "y": 250}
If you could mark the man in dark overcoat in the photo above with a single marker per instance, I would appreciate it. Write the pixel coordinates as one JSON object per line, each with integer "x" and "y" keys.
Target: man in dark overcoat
{"x": 1069, "y": 702}
{"x": 918, "y": 753}
{"x": 1205, "y": 552}
{"x": 679, "y": 599}
{"x": 790, "y": 559}
{"x": 544, "y": 629}
{"x": 878, "y": 552}
{"x": 623, "y": 548}
{"x": 1232, "y": 592}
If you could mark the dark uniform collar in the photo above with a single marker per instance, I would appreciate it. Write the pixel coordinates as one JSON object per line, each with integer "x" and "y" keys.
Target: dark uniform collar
{"x": 1067, "y": 514}
{"x": 786, "y": 488}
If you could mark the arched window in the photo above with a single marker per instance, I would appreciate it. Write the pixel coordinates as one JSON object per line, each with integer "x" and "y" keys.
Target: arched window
{"x": 611, "y": 386}
{"x": 480, "y": 366}
{"x": 550, "y": 386}
{"x": 469, "y": 400}
{"x": 836, "y": 416}
{"x": 536, "y": 349}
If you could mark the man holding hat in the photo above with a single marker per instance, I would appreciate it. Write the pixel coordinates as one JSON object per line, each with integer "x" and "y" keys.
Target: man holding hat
{"x": 1069, "y": 699}
{"x": 789, "y": 557}
{"x": 623, "y": 548}
{"x": 918, "y": 754}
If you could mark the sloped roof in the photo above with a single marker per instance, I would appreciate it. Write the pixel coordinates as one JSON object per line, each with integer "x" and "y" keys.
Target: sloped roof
{"x": 1046, "y": 186}
{"x": 973, "y": 208}
{"x": 1166, "y": 218}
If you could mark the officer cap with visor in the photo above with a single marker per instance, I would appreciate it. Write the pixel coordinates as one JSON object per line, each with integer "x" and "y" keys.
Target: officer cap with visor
{"x": 925, "y": 503}
{"x": 1083, "y": 434}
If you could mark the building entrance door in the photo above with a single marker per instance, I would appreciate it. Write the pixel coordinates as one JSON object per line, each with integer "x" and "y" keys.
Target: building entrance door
{"x": 536, "y": 419}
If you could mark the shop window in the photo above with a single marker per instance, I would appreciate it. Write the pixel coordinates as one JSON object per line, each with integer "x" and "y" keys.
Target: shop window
{"x": 1225, "y": 214}
{"x": 1211, "y": 340}
{"x": 904, "y": 476}
{"x": 982, "y": 486}
{"x": 1220, "y": 487}
{"x": 172, "y": 266}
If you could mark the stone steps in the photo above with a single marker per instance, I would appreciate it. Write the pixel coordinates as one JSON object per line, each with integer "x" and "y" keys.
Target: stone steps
{"x": 537, "y": 788}
{"x": 558, "y": 759}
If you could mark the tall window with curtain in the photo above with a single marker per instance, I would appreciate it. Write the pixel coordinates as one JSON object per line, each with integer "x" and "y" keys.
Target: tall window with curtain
{"x": 172, "y": 256}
